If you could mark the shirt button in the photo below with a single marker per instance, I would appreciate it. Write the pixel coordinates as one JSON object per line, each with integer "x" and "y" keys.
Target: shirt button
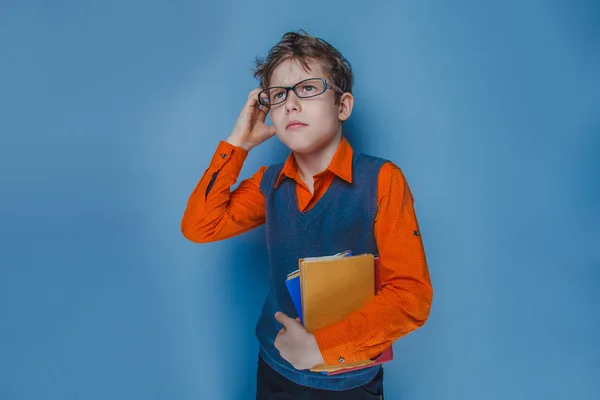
{"x": 223, "y": 155}
{"x": 341, "y": 359}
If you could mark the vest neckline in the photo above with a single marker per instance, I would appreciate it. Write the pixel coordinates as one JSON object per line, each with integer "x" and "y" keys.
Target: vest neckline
{"x": 318, "y": 207}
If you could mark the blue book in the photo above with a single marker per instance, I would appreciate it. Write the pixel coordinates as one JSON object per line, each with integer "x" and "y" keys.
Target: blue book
{"x": 293, "y": 286}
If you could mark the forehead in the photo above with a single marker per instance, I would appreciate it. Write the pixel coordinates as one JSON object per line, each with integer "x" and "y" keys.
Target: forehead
{"x": 291, "y": 71}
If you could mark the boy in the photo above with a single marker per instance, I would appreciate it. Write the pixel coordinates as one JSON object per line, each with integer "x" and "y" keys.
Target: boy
{"x": 324, "y": 199}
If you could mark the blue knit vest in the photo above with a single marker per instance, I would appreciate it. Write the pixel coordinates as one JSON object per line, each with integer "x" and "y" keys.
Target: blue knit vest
{"x": 343, "y": 219}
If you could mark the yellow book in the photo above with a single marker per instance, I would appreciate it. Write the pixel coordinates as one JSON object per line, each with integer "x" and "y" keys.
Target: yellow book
{"x": 333, "y": 288}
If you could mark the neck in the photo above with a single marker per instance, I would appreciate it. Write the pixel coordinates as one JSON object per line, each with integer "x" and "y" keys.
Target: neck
{"x": 311, "y": 164}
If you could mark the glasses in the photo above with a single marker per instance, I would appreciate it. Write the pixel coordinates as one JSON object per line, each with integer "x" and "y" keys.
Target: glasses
{"x": 307, "y": 88}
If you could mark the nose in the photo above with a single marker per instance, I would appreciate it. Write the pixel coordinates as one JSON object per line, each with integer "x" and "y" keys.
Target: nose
{"x": 292, "y": 102}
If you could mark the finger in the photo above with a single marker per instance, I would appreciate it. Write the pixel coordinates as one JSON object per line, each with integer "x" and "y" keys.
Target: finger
{"x": 264, "y": 111}
{"x": 253, "y": 98}
{"x": 254, "y": 92}
{"x": 283, "y": 319}
{"x": 252, "y": 102}
{"x": 279, "y": 336}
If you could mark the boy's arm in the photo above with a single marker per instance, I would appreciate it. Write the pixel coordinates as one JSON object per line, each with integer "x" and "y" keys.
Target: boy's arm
{"x": 404, "y": 302}
{"x": 213, "y": 212}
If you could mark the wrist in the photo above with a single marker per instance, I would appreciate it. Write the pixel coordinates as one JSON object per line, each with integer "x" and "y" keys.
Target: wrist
{"x": 232, "y": 140}
{"x": 318, "y": 357}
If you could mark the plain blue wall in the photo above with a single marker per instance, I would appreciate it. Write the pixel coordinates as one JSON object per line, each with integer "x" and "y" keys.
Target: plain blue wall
{"x": 110, "y": 112}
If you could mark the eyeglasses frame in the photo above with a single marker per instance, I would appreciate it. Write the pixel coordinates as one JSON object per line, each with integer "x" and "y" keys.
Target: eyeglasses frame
{"x": 326, "y": 85}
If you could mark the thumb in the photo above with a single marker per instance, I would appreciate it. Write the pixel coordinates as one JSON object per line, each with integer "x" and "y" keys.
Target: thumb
{"x": 283, "y": 319}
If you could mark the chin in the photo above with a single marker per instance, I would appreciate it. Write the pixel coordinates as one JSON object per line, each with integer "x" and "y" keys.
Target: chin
{"x": 300, "y": 145}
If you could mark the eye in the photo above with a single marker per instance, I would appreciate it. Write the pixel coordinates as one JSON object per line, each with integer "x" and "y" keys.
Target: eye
{"x": 277, "y": 95}
{"x": 308, "y": 88}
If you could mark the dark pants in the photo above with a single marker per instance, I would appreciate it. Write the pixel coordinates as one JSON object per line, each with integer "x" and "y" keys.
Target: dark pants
{"x": 270, "y": 385}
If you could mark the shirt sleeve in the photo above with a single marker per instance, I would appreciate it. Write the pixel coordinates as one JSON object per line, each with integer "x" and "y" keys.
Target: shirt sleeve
{"x": 404, "y": 302}
{"x": 213, "y": 211}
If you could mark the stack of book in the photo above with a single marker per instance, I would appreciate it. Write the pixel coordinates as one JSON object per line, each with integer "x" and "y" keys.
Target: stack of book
{"x": 325, "y": 290}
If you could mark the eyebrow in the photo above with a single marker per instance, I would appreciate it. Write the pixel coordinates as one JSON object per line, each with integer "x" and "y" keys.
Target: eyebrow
{"x": 300, "y": 80}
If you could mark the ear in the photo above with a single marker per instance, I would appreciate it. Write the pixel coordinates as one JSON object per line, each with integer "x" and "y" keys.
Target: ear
{"x": 345, "y": 106}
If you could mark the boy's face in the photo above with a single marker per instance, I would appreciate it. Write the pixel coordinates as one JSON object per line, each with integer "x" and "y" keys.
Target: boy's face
{"x": 320, "y": 115}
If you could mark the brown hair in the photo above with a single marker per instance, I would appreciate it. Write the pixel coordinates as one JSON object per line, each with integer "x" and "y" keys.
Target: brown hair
{"x": 305, "y": 48}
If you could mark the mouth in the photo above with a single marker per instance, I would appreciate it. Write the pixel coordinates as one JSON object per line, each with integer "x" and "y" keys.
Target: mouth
{"x": 295, "y": 125}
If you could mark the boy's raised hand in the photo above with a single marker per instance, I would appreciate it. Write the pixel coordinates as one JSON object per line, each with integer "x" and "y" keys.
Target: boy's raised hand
{"x": 295, "y": 344}
{"x": 250, "y": 129}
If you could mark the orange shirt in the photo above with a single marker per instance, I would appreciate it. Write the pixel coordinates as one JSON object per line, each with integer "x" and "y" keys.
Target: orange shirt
{"x": 404, "y": 302}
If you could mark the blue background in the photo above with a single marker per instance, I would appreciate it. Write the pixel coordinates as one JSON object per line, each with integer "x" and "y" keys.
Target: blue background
{"x": 111, "y": 111}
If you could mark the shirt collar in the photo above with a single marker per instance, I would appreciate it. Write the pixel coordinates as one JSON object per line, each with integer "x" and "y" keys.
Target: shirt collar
{"x": 340, "y": 165}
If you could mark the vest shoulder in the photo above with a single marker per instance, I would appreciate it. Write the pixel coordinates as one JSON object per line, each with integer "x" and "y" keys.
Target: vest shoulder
{"x": 269, "y": 176}
{"x": 274, "y": 168}
{"x": 371, "y": 160}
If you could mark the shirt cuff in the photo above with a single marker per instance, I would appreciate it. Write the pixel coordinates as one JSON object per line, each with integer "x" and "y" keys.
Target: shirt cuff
{"x": 229, "y": 158}
{"x": 335, "y": 344}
